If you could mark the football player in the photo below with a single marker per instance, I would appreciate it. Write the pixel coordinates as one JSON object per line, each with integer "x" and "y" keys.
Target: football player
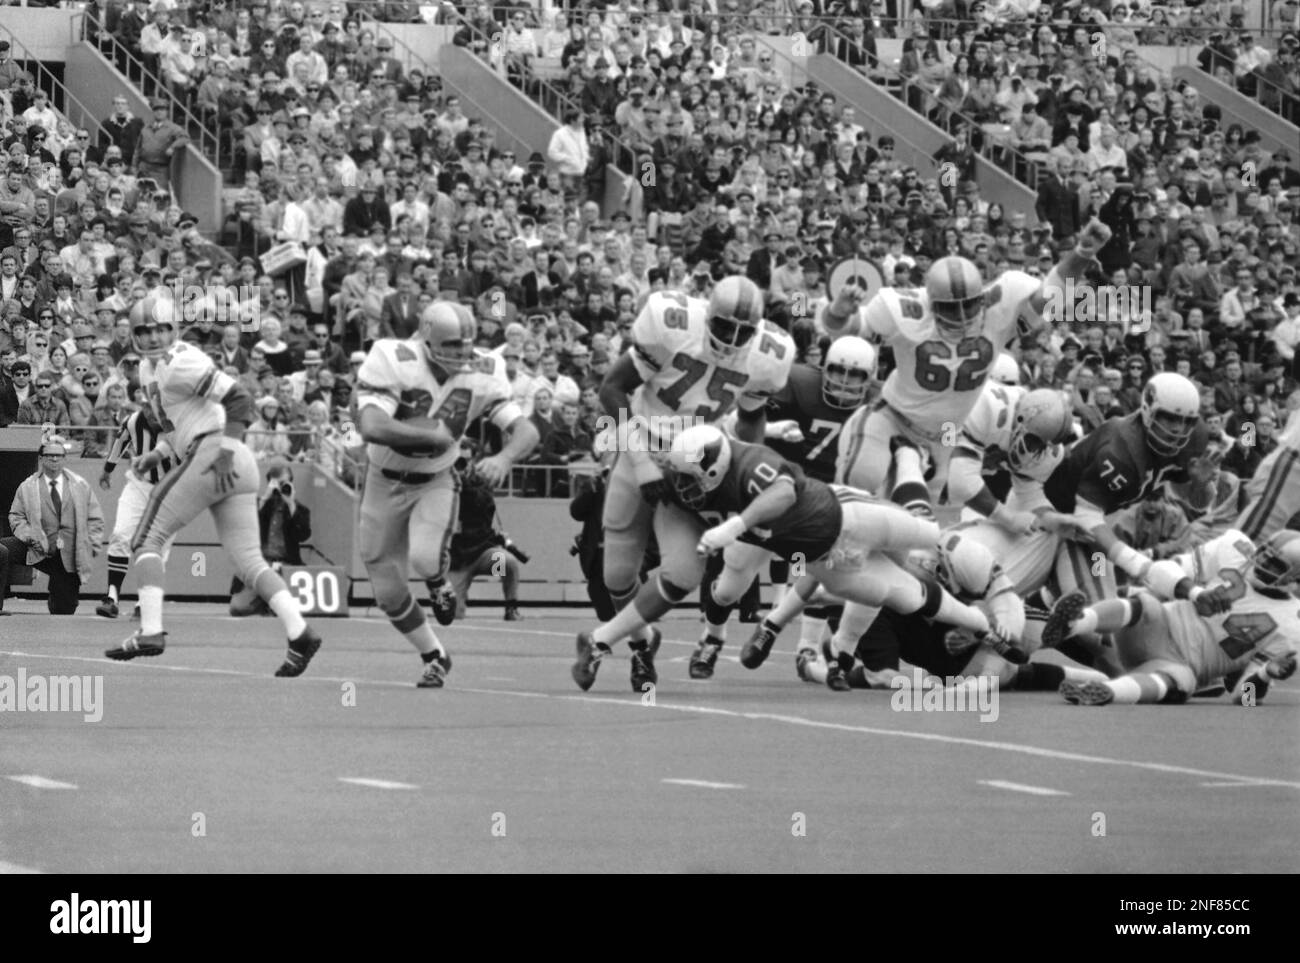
{"x": 139, "y": 434}
{"x": 804, "y": 419}
{"x": 205, "y": 413}
{"x": 1273, "y": 492}
{"x": 945, "y": 339}
{"x": 415, "y": 398}
{"x": 843, "y": 532}
{"x": 691, "y": 363}
{"x": 1243, "y": 627}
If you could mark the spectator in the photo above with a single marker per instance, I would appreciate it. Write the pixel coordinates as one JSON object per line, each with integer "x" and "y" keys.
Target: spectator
{"x": 58, "y": 528}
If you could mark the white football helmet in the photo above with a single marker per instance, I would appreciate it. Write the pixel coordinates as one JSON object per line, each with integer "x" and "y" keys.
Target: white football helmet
{"x": 956, "y": 290}
{"x": 696, "y": 464}
{"x": 849, "y": 370}
{"x": 153, "y": 326}
{"x": 1276, "y": 565}
{"x": 1005, "y": 371}
{"x": 735, "y": 311}
{"x": 1043, "y": 419}
{"x": 449, "y": 330}
{"x": 1171, "y": 408}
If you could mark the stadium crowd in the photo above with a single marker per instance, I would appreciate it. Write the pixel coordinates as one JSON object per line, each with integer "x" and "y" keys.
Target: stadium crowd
{"x": 377, "y": 195}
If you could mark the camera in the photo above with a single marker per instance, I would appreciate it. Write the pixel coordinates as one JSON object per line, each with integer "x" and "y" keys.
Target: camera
{"x": 286, "y": 489}
{"x": 504, "y": 541}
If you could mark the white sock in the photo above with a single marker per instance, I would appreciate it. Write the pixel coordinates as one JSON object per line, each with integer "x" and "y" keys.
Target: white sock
{"x": 811, "y": 632}
{"x": 952, "y": 612}
{"x": 778, "y": 593}
{"x": 424, "y": 639}
{"x": 716, "y": 629}
{"x": 151, "y": 600}
{"x": 815, "y": 669}
{"x": 286, "y": 609}
{"x": 628, "y": 622}
{"x": 1127, "y": 690}
{"x": 112, "y": 593}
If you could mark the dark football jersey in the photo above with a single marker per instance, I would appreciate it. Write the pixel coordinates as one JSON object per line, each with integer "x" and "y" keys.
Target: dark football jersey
{"x": 809, "y": 528}
{"x": 802, "y": 400}
{"x": 1113, "y": 467}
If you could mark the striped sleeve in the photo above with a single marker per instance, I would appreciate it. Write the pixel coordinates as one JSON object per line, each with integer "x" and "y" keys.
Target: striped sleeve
{"x": 121, "y": 443}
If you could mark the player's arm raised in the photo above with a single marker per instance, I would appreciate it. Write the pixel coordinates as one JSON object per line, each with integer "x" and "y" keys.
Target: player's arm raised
{"x": 1072, "y": 266}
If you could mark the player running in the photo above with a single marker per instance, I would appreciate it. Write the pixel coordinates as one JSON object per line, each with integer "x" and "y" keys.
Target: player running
{"x": 137, "y": 436}
{"x": 804, "y": 420}
{"x": 205, "y": 413}
{"x": 692, "y": 362}
{"x": 945, "y": 339}
{"x": 415, "y": 398}
{"x": 1246, "y": 626}
{"x": 841, "y": 531}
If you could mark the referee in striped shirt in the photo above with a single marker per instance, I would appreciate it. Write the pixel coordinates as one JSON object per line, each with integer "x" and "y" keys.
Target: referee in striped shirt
{"x": 137, "y": 436}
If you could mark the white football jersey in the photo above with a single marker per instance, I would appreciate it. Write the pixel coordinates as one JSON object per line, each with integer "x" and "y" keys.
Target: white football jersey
{"x": 685, "y": 382}
{"x": 397, "y": 379}
{"x": 936, "y": 382}
{"x": 1217, "y": 645}
{"x": 1231, "y": 550}
{"x": 185, "y": 388}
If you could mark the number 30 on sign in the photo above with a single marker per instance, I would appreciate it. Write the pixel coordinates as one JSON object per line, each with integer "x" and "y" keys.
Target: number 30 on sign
{"x": 320, "y": 590}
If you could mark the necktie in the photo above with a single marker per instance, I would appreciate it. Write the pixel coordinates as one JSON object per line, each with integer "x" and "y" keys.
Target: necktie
{"x": 56, "y": 499}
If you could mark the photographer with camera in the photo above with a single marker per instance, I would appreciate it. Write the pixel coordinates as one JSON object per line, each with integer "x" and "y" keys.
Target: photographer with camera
{"x": 285, "y": 525}
{"x": 478, "y": 548}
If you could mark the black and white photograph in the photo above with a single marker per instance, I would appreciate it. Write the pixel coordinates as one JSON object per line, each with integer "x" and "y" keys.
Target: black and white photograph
{"x": 685, "y": 437}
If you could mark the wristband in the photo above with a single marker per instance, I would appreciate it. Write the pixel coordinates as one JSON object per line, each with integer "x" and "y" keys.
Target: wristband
{"x": 734, "y": 527}
{"x": 229, "y": 444}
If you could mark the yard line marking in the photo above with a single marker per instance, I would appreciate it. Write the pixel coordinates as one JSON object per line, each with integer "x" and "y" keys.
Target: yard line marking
{"x": 377, "y": 783}
{"x": 635, "y": 703}
{"x": 703, "y": 784}
{"x": 1234, "y": 784}
{"x": 498, "y": 678}
{"x": 40, "y": 782}
{"x": 13, "y": 869}
{"x": 1020, "y": 787}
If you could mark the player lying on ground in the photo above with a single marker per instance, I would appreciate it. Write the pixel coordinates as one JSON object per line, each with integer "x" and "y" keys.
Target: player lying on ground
{"x": 204, "y": 413}
{"x": 1246, "y": 629}
{"x": 414, "y": 399}
{"x": 691, "y": 363}
{"x": 782, "y": 511}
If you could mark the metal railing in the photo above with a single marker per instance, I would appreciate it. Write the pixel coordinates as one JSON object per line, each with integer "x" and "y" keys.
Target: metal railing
{"x": 989, "y": 145}
{"x": 1264, "y": 92}
{"x": 60, "y": 95}
{"x": 549, "y": 95}
{"x": 206, "y": 137}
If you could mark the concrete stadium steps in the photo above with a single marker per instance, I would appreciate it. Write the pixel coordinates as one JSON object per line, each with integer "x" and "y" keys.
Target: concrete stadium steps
{"x": 1275, "y": 132}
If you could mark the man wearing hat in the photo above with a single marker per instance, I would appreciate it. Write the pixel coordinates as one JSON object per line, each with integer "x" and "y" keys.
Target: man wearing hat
{"x": 159, "y": 142}
{"x": 766, "y": 259}
{"x": 58, "y": 528}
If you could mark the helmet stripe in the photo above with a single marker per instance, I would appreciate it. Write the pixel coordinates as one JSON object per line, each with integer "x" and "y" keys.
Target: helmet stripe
{"x": 957, "y": 279}
{"x": 743, "y": 301}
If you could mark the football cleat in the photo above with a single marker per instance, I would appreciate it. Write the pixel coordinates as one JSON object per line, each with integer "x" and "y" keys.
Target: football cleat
{"x": 299, "y": 654}
{"x": 837, "y": 673}
{"x": 107, "y": 608}
{"x": 755, "y": 652}
{"x": 512, "y": 613}
{"x": 705, "y": 657}
{"x": 435, "y": 672}
{"x": 959, "y": 640}
{"x": 1089, "y": 693}
{"x": 138, "y": 645}
{"x": 1057, "y": 627}
{"x": 443, "y": 598}
{"x": 590, "y": 653}
{"x": 643, "y": 662}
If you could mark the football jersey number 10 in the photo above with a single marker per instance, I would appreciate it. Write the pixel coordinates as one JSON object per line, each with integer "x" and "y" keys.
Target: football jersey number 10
{"x": 934, "y": 374}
